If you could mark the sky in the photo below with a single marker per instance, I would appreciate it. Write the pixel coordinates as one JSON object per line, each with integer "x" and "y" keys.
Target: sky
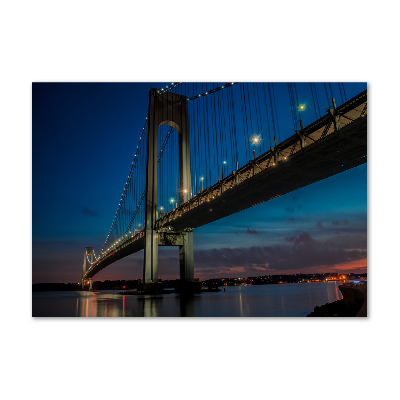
{"x": 84, "y": 137}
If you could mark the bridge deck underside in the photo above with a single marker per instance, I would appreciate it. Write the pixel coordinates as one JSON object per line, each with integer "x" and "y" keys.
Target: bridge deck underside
{"x": 338, "y": 152}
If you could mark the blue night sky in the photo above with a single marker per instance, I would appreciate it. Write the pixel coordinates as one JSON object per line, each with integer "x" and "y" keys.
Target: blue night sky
{"x": 84, "y": 139}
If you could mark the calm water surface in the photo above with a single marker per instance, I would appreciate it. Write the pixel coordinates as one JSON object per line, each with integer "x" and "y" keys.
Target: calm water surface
{"x": 285, "y": 300}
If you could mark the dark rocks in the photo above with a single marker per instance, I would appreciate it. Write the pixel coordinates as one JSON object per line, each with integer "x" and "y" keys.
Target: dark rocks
{"x": 335, "y": 309}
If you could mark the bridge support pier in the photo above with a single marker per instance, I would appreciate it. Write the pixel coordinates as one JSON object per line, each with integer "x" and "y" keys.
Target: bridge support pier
{"x": 90, "y": 283}
{"x": 187, "y": 283}
{"x": 89, "y": 253}
{"x": 166, "y": 108}
{"x": 186, "y": 259}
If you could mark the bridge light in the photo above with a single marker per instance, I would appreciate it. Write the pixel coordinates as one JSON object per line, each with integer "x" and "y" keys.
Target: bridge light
{"x": 301, "y": 107}
{"x": 255, "y": 139}
{"x": 224, "y": 162}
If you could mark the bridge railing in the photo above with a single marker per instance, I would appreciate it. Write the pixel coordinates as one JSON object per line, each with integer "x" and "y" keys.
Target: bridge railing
{"x": 121, "y": 246}
{"x": 347, "y": 113}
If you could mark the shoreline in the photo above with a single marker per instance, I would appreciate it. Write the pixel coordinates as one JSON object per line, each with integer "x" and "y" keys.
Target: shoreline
{"x": 218, "y": 282}
{"x": 353, "y": 303}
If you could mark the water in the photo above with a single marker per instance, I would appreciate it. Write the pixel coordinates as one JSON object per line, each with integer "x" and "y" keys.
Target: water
{"x": 281, "y": 300}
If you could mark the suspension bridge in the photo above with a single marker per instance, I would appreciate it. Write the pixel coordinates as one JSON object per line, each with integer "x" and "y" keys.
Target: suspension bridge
{"x": 202, "y": 156}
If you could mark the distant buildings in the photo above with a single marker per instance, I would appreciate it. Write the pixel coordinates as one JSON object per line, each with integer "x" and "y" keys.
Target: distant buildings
{"x": 252, "y": 280}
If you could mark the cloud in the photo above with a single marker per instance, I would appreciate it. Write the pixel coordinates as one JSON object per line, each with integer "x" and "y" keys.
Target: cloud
{"x": 302, "y": 238}
{"x": 348, "y": 241}
{"x": 301, "y": 253}
{"x": 319, "y": 225}
{"x": 252, "y": 231}
{"x": 88, "y": 212}
{"x": 337, "y": 223}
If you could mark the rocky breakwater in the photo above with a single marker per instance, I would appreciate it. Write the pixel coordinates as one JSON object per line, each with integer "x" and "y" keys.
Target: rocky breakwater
{"x": 353, "y": 304}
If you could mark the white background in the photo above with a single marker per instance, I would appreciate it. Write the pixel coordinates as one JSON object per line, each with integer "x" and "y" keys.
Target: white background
{"x": 199, "y": 41}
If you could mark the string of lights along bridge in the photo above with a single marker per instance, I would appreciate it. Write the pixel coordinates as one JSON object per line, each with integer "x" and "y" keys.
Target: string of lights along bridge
{"x": 208, "y": 150}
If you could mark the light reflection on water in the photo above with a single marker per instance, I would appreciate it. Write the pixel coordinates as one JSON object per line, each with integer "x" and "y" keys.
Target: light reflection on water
{"x": 281, "y": 300}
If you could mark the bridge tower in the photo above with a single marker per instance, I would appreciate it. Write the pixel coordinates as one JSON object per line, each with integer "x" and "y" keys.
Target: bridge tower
{"x": 171, "y": 109}
{"x": 89, "y": 252}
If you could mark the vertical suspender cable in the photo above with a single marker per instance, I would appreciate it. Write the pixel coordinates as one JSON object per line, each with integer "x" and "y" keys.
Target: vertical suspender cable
{"x": 341, "y": 94}
{"x": 247, "y": 124}
{"x": 234, "y": 125}
{"x": 230, "y": 126}
{"x": 272, "y": 109}
{"x": 244, "y": 115}
{"x": 251, "y": 117}
{"x": 266, "y": 112}
{"x": 297, "y": 101}
{"x": 344, "y": 92}
{"x": 276, "y": 112}
{"x": 261, "y": 128}
{"x": 216, "y": 161}
{"x": 315, "y": 106}
{"x": 327, "y": 97}
{"x": 316, "y": 97}
{"x": 330, "y": 87}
